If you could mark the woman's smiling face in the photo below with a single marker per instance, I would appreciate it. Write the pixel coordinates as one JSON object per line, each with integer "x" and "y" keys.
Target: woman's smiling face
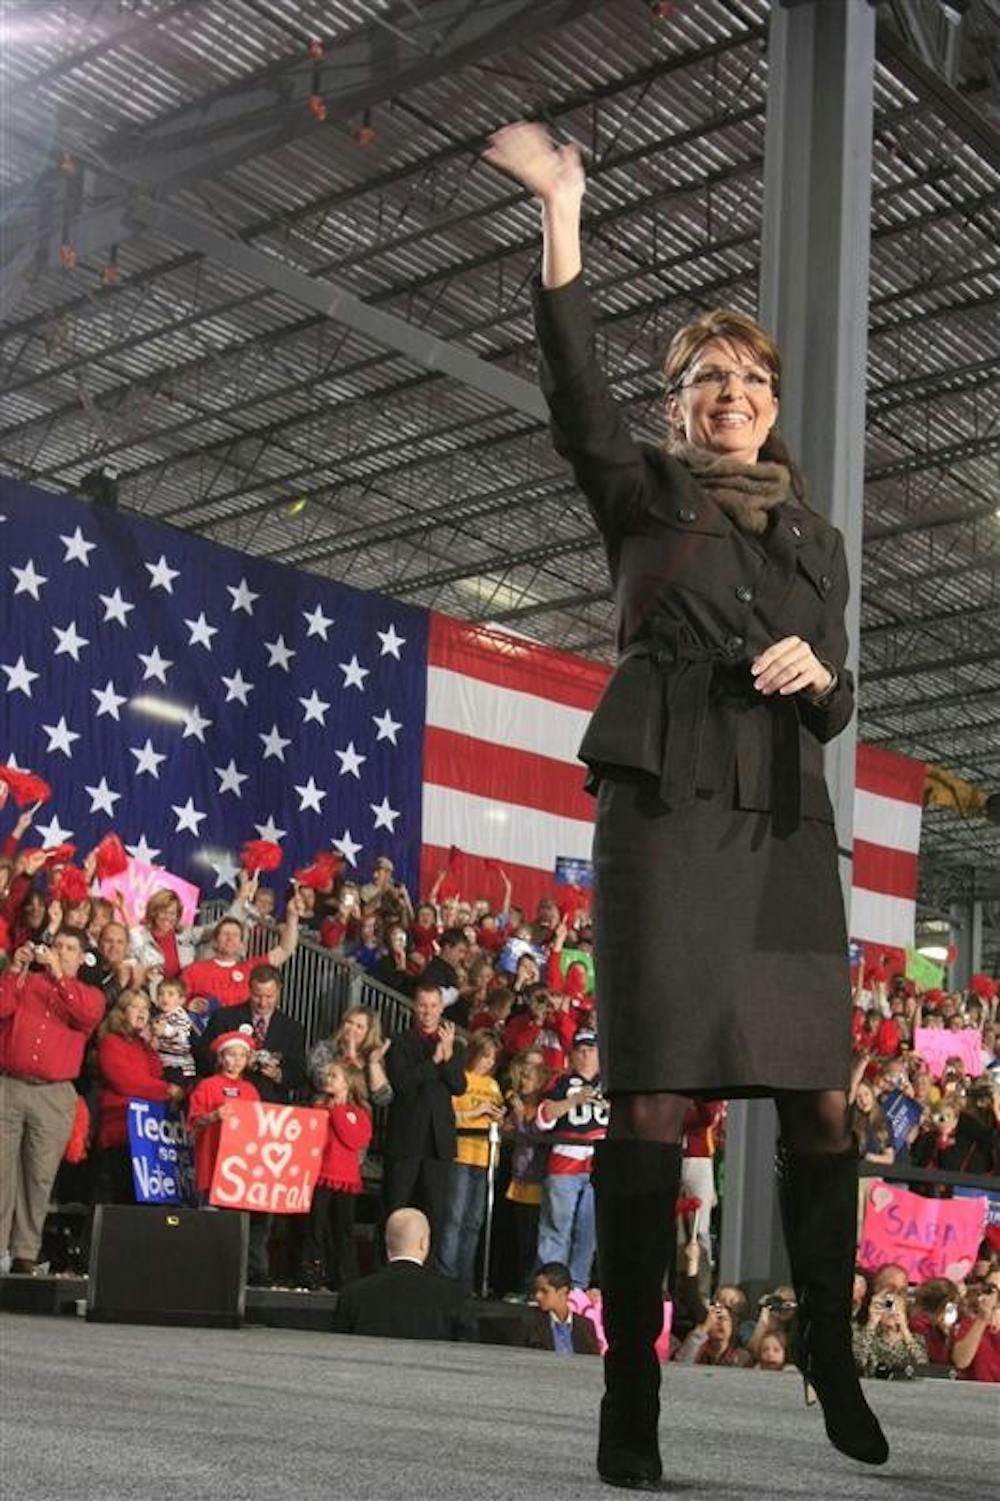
{"x": 725, "y": 402}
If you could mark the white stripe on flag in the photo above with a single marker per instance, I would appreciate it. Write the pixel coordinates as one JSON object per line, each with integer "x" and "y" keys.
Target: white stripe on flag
{"x": 503, "y": 716}
{"x": 882, "y": 919}
{"x": 887, "y": 821}
{"x": 502, "y": 831}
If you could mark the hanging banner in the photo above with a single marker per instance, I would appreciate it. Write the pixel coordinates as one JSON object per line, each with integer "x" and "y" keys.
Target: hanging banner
{"x": 162, "y": 1154}
{"x": 929, "y": 1237}
{"x": 269, "y": 1157}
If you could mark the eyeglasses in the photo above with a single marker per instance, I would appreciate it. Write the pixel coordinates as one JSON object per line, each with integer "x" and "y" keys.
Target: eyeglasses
{"x": 709, "y": 376}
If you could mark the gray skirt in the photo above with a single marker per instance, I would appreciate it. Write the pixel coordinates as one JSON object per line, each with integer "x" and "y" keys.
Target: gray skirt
{"x": 720, "y": 950}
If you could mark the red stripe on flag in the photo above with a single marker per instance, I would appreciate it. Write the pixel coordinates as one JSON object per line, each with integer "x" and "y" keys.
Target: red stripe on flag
{"x": 508, "y": 662}
{"x": 473, "y": 880}
{"x": 887, "y": 871}
{"x": 888, "y": 774}
{"x": 505, "y": 775}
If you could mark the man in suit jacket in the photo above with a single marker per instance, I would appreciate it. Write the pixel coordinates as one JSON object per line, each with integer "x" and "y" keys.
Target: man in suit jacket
{"x": 278, "y": 1072}
{"x": 405, "y": 1300}
{"x": 551, "y": 1324}
{"x": 425, "y": 1068}
{"x": 280, "y": 1065}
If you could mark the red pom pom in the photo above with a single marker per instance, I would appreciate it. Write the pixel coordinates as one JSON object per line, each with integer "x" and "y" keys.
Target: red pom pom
{"x": 933, "y": 998}
{"x": 24, "y": 786}
{"x": 111, "y": 857}
{"x": 72, "y": 887}
{"x": 60, "y": 854}
{"x": 982, "y": 986}
{"x": 321, "y": 872}
{"x": 260, "y": 854}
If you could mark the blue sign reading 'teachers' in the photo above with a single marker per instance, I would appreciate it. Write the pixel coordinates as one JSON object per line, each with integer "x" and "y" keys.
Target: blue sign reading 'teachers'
{"x": 162, "y": 1157}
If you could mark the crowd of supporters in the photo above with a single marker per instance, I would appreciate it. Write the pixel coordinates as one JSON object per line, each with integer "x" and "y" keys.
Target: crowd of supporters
{"x": 496, "y": 1087}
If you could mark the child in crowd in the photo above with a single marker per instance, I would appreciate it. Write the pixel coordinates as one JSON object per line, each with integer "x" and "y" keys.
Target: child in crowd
{"x": 552, "y": 1324}
{"x": 330, "y": 1258}
{"x": 211, "y": 1099}
{"x": 171, "y": 1033}
{"x": 475, "y": 1111}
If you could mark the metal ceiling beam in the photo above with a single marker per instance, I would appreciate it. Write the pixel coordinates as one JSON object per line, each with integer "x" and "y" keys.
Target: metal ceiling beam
{"x": 973, "y": 127}
{"x": 964, "y": 697}
{"x": 909, "y": 669}
{"x": 525, "y": 17}
{"x": 928, "y": 622}
{"x": 207, "y": 139}
{"x": 951, "y": 453}
{"x": 344, "y": 307}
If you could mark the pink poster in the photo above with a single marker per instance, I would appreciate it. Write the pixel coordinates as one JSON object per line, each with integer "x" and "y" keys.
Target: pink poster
{"x": 139, "y": 881}
{"x": 269, "y": 1157}
{"x": 935, "y": 1047}
{"x": 929, "y": 1237}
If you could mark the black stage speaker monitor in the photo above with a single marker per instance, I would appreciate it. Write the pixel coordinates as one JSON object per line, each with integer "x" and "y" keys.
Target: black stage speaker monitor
{"x": 155, "y": 1264}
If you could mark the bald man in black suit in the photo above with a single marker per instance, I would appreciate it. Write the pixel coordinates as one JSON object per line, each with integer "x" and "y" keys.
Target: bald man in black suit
{"x": 405, "y": 1301}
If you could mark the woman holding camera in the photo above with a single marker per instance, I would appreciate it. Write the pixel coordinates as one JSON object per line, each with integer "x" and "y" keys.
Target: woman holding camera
{"x": 976, "y": 1351}
{"x": 886, "y": 1346}
{"x": 715, "y": 840}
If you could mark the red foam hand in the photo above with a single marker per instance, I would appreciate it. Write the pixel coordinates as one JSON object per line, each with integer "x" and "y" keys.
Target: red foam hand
{"x": 260, "y": 854}
{"x": 25, "y": 787}
{"x": 110, "y": 858}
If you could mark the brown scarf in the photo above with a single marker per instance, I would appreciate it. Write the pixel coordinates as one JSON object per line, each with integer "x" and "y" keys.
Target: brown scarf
{"x": 746, "y": 492}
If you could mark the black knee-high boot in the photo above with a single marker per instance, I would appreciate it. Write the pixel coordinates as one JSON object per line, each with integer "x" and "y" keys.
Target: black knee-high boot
{"x": 819, "y": 1207}
{"x": 635, "y": 1190}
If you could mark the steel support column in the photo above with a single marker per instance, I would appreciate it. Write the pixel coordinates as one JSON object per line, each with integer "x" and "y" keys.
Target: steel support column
{"x": 814, "y": 297}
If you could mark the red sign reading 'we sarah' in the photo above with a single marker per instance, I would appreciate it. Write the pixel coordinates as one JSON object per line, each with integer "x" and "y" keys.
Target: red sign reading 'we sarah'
{"x": 269, "y": 1158}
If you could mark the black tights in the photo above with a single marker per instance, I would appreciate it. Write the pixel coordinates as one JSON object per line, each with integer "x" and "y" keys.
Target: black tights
{"x": 810, "y": 1120}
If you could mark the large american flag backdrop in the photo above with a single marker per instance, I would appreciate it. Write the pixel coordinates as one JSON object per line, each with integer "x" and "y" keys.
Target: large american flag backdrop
{"x": 192, "y": 697}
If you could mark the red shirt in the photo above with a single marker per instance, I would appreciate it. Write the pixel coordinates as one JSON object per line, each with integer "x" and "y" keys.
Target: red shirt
{"x": 552, "y": 1037}
{"x": 986, "y": 1361}
{"x": 229, "y": 983}
{"x": 44, "y": 1025}
{"x": 349, "y": 1130}
{"x": 167, "y": 944}
{"x": 128, "y": 1069}
{"x": 208, "y": 1095}
{"x": 700, "y": 1125}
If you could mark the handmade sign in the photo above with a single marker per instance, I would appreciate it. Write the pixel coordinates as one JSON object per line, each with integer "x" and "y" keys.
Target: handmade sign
{"x": 901, "y": 1113}
{"x": 936, "y": 1046}
{"x": 924, "y": 973}
{"x": 137, "y": 884}
{"x": 162, "y": 1154}
{"x": 929, "y": 1237}
{"x": 269, "y": 1157}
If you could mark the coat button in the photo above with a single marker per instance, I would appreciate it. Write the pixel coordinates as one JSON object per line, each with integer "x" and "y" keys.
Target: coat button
{"x": 825, "y": 582}
{"x": 744, "y": 594}
{"x": 686, "y": 514}
{"x": 733, "y": 644}
{"x": 796, "y": 530}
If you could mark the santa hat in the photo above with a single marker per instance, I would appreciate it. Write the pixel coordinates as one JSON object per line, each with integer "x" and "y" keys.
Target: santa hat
{"x": 243, "y": 1037}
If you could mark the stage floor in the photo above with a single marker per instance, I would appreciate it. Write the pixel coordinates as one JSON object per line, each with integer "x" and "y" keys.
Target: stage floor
{"x": 127, "y": 1413}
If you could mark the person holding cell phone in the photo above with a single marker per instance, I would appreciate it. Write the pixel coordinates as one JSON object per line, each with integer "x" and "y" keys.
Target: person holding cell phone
{"x": 714, "y": 838}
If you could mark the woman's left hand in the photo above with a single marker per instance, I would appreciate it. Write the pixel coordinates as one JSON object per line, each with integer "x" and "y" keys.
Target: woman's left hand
{"x": 790, "y": 666}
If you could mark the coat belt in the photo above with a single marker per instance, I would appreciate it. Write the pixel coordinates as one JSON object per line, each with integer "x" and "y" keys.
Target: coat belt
{"x": 688, "y": 668}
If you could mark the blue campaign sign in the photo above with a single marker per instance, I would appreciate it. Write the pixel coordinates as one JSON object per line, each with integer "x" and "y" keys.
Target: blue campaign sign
{"x": 572, "y": 872}
{"x": 162, "y": 1155}
{"x": 901, "y": 1114}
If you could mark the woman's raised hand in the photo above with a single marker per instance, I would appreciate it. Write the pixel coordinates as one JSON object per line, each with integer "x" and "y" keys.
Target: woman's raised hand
{"x": 527, "y": 152}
